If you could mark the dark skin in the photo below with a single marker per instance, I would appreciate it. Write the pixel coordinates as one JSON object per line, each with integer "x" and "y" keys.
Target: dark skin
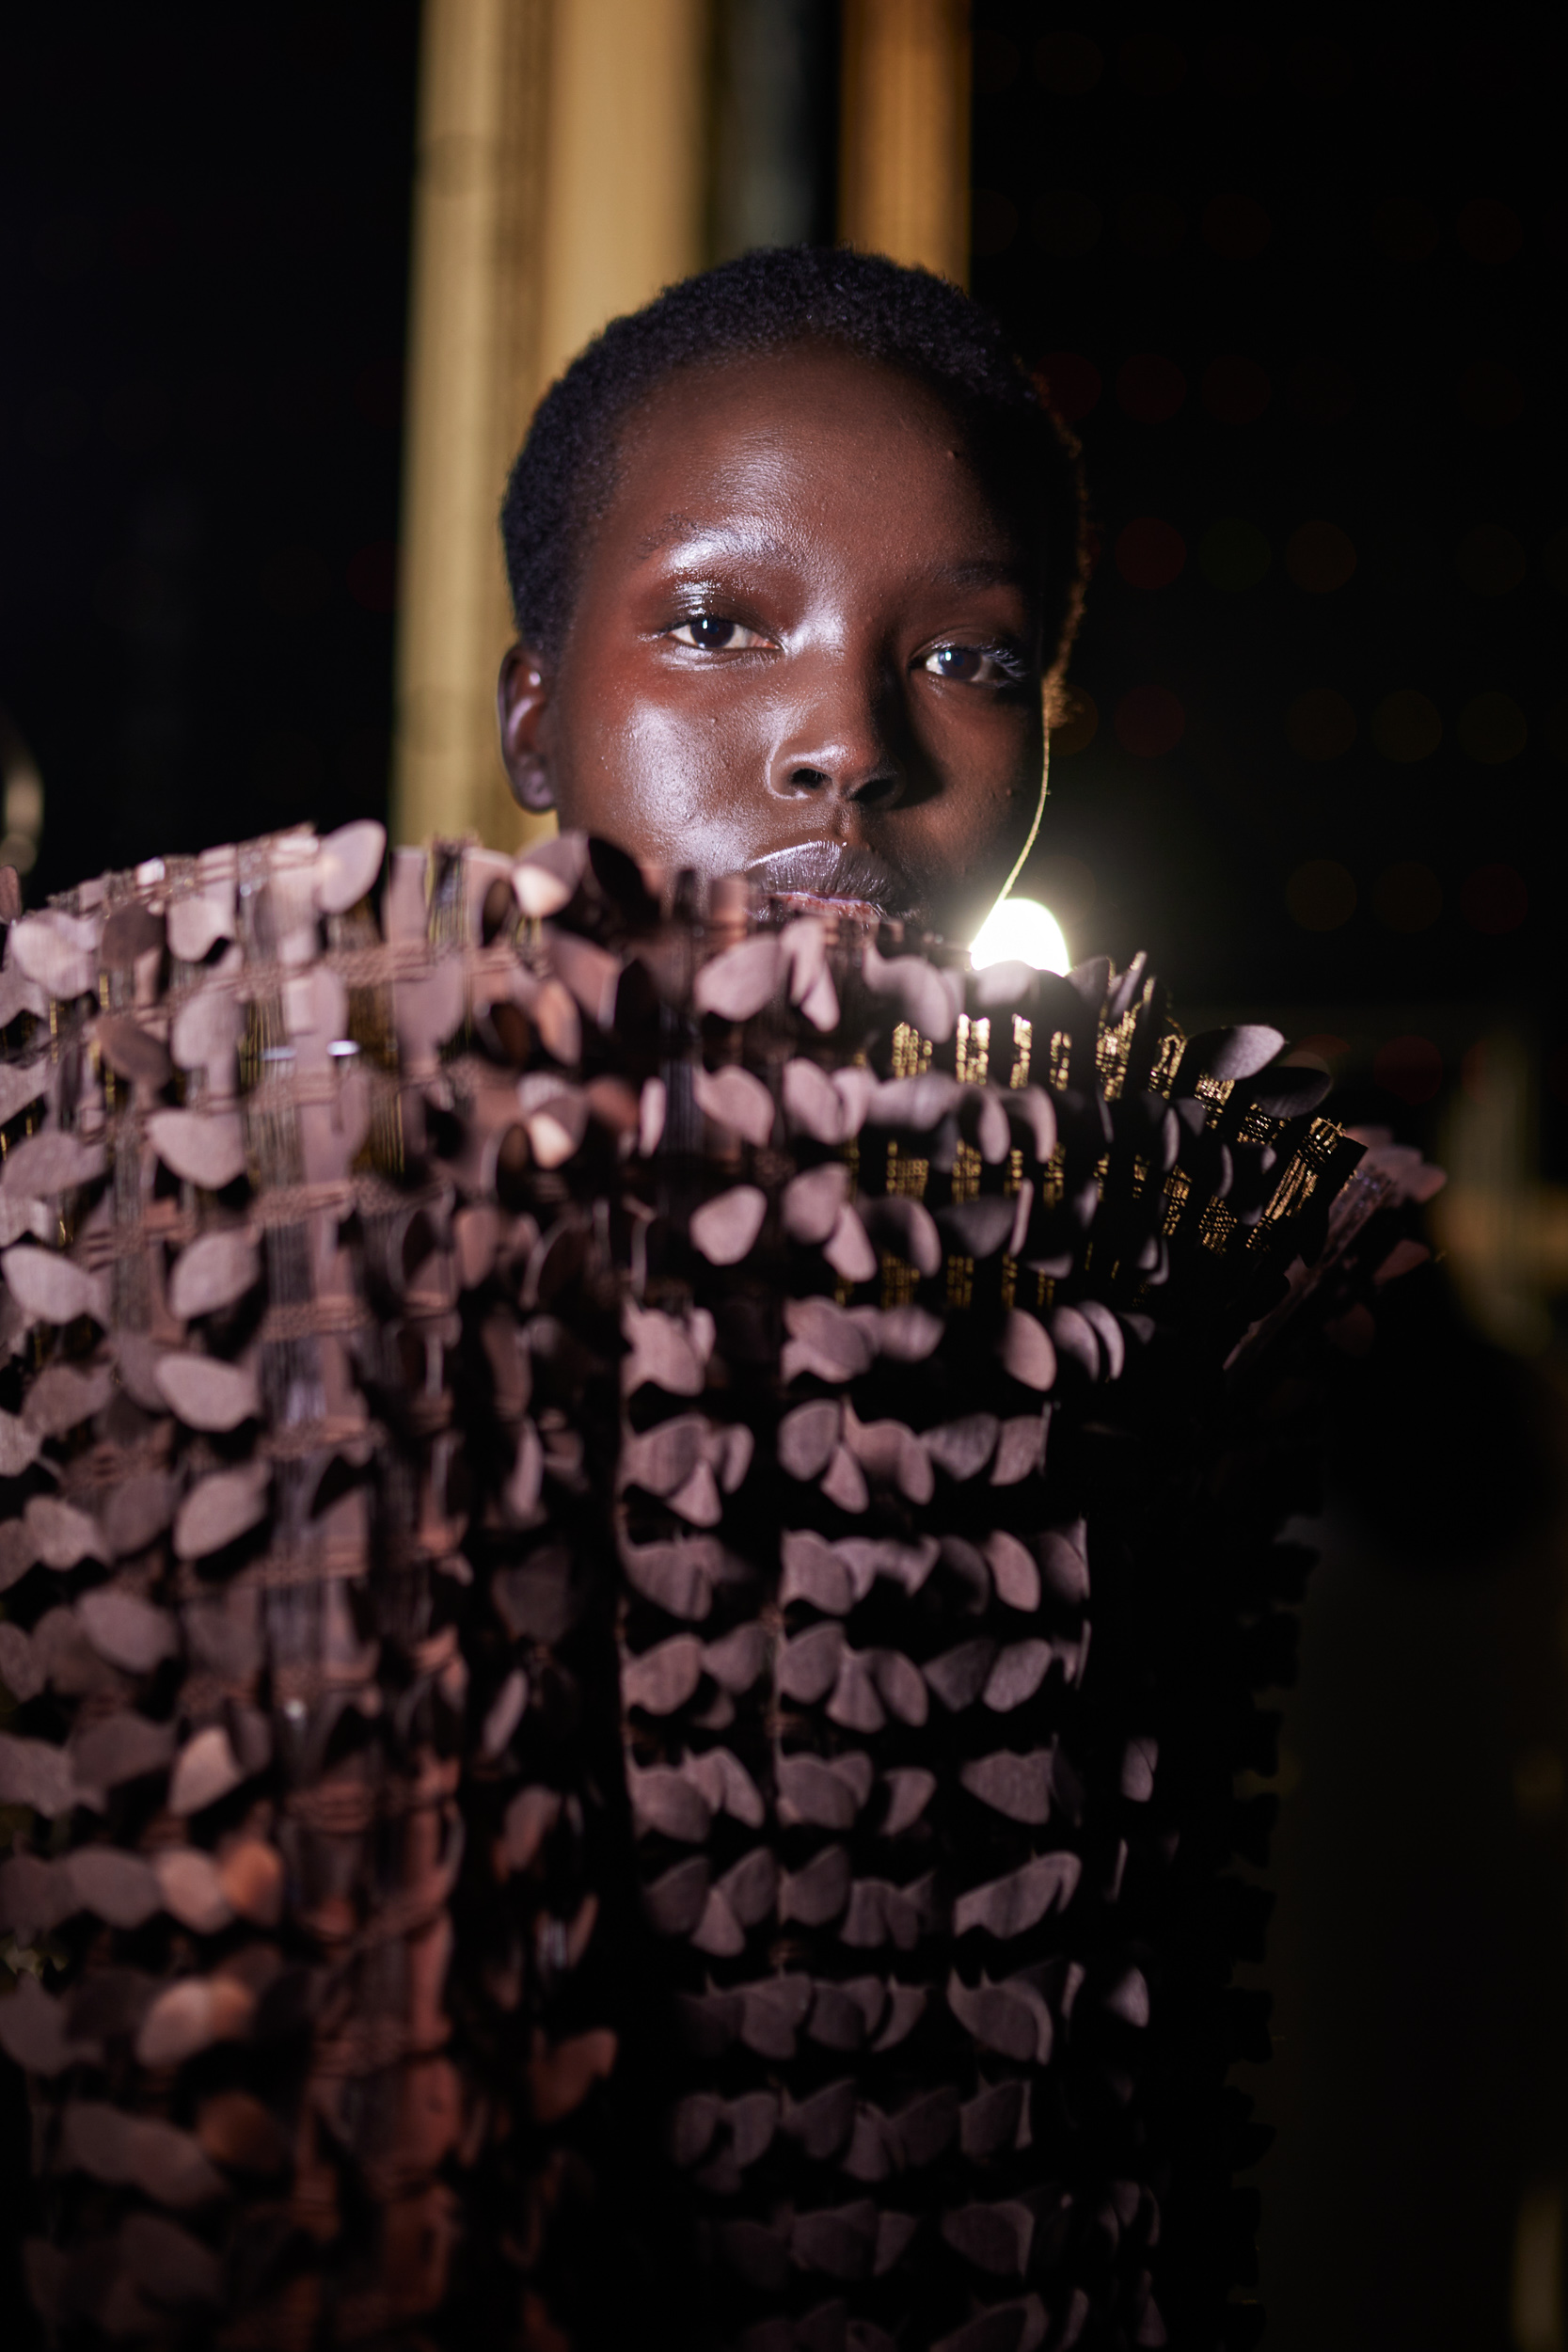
{"x": 805, "y": 646}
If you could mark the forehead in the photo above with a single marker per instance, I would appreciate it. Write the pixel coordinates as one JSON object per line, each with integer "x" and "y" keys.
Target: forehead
{"x": 827, "y": 441}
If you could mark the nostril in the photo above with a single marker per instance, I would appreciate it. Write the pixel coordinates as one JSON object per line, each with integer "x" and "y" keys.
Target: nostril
{"x": 809, "y": 779}
{"x": 877, "y": 792}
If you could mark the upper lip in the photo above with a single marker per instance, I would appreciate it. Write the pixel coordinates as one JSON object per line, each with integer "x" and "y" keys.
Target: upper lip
{"x": 834, "y": 871}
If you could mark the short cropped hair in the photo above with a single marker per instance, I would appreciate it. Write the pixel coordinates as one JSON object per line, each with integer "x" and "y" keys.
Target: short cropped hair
{"x": 766, "y": 300}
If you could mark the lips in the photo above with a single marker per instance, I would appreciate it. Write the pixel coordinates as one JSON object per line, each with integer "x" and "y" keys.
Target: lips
{"x": 829, "y": 878}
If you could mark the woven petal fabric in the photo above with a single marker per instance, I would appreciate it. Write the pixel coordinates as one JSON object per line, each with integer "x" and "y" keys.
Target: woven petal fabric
{"x": 636, "y": 1543}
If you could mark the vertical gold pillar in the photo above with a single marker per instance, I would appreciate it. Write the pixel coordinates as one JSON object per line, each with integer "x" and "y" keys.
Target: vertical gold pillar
{"x": 904, "y": 158}
{"x": 473, "y": 339}
{"x": 624, "y": 181}
{"x": 559, "y": 180}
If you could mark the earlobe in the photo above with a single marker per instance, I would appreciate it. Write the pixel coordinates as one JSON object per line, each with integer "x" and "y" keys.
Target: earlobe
{"x": 522, "y": 706}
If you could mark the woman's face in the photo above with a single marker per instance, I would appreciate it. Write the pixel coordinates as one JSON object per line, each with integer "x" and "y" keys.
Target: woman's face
{"x": 805, "y": 646}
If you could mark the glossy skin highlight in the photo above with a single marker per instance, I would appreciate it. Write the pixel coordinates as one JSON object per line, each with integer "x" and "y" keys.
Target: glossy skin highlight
{"x": 805, "y": 646}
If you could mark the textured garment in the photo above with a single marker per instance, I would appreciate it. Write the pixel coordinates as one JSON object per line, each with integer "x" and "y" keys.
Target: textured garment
{"x": 637, "y": 1548}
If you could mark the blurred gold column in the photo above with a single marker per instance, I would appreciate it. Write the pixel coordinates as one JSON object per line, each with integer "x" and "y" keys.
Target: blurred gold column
{"x": 626, "y": 170}
{"x": 560, "y": 170}
{"x": 904, "y": 154}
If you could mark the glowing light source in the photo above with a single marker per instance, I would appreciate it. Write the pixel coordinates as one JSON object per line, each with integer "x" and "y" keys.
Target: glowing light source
{"x": 1021, "y": 931}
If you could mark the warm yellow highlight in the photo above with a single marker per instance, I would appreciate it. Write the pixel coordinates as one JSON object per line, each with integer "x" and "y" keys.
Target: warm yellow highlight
{"x": 904, "y": 162}
{"x": 626, "y": 163}
{"x": 559, "y": 178}
{"x": 473, "y": 340}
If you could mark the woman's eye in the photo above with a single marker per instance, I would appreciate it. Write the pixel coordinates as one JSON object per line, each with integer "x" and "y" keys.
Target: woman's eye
{"x": 970, "y": 665}
{"x": 708, "y": 633}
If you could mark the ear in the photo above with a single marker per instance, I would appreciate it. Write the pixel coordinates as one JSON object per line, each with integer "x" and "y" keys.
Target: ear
{"x": 523, "y": 707}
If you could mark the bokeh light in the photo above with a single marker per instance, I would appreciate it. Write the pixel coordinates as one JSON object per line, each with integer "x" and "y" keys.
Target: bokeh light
{"x": 1078, "y": 726}
{"x": 1320, "y": 556}
{"x": 1320, "y": 724}
{"x": 1234, "y": 554}
{"x": 1491, "y": 394}
{"x": 1492, "y": 729}
{"x": 1494, "y": 900}
{"x": 21, "y": 806}
{"x": 1235, "y": 389}
{"x": 1067, "y": 223}
{"x": 1407, "y": 897}
{"x": 1410, "y": 1067}
{"x": 1490, "y": 230}
{"x": 1150, "y": 388}
{"x": 1321, "y": 895}
{"x": 1150, "y": 224}
{"x": 1404, "y": 230}
{"x": 1490, "y": 560}
{"x": 1236, "y": 227}
{"x": 1070, "y": 383}
{"x": 1021, "y": 931}
{"x": 1325, "y": 1047}
{"x": 1149, "y": 722}
{"x": 1407, "y": 726}
{"x": 1150, "y": 554}
{"x": 1068, "y": 64}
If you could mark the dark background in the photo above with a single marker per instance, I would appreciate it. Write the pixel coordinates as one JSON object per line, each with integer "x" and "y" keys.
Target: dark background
{"x": 1316, "y": 279}
{"x": 204, "y": 222}
{"x": 1301, "y": 297}
{"x": 1281, "y": 286}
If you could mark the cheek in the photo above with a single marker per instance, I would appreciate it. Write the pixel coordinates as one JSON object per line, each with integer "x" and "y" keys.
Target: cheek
{"x": 650, "y": 766}
{"x": 990, "y": 764}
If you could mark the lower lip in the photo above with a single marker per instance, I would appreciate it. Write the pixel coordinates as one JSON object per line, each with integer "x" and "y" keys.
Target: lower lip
{"x": 812, "y": 902}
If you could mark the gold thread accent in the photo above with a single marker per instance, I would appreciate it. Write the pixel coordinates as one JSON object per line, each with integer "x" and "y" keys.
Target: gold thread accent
{"x": 967, "y": 1169}
{"x": 973, "y": 1057}
{"x": 898, "y": 1280}
{"x": 911, "y": 1053}
{"x": 908, "y": 1177}
{"x": 1162, "y": 1076}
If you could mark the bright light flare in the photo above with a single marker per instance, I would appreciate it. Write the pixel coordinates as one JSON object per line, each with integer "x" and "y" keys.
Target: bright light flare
{"x": 1021, "y": 931}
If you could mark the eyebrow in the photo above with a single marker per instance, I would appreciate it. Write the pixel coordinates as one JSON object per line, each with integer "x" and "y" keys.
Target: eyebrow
{"x": 742, "y": 536}
{"x": 748, "y": 537}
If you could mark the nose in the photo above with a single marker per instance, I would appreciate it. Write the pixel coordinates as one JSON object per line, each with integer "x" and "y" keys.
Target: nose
{"x": 836, "y": 746}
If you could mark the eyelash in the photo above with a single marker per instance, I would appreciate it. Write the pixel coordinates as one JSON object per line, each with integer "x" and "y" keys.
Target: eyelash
{"x": 694, "y": 620}
{"x": 1013, "y": 668}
